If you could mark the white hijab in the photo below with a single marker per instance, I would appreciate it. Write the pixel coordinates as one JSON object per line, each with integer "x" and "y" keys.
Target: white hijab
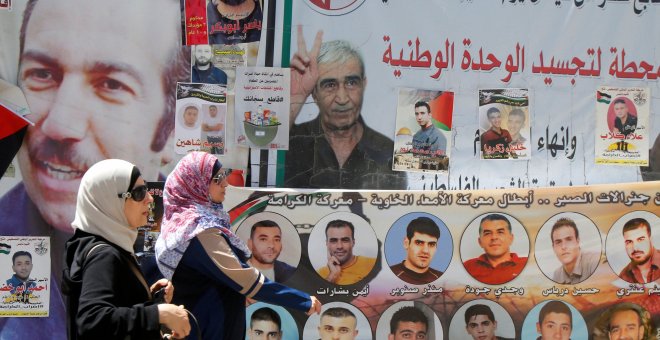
{"x": 99, "y": 210}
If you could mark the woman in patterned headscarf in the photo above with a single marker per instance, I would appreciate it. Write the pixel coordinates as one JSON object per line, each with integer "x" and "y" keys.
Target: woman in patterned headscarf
{"x": 205, "y": 260}
{"x": 107, "y": 296}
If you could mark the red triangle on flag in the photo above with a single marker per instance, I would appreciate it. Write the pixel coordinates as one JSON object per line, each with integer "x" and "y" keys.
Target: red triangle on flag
{"x": 10, "y": 123}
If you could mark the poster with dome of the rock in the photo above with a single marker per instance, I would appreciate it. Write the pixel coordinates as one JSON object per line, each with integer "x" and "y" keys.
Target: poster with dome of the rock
{"x": 422, "y": 138}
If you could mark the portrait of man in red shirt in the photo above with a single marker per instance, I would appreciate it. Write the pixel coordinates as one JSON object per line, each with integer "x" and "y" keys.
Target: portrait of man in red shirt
{"x": 497, "y": 265}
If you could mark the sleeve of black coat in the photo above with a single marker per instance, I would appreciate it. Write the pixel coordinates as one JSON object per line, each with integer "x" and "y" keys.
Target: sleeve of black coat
{"x": 103, "y": 312}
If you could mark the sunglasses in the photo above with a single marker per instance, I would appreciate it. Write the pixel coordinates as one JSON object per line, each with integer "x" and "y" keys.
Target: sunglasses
{"x": 137, "y": 194}
{"x": 221, "y": 176}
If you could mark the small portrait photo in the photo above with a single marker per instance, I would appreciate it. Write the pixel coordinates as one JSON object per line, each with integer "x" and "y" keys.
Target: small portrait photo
{"x": 622, "y": 116}
{"x": 409, "y": 320}
{"x": 213, "y": 127}
{"x": 189, "y": 116}
{"x": 632, "y": 250}
{"x": 25, "y": 264}
{"x": 494, "y": 248}
{"x": 554, "y": 320}
{"x": 150, "y": 238}
{"x": 274, "y": 243}
{"x": 338, "y": 320}
{"x": 346, "y": 248}
{"x": 568, "y": 248}
{"x": 411, "y": 248}
{"x": 482, "y": 319}
{"x": 266, "y": 321}
{"x": 624, "y": 320}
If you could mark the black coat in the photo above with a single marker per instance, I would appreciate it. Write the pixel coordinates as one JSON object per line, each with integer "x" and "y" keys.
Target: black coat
{"x": 104, "y": 297}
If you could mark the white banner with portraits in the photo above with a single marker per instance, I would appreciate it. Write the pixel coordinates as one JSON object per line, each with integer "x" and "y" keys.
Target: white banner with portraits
{"x": 461, "y": 260}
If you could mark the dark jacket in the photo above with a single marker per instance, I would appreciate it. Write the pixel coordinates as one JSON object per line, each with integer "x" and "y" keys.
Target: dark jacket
{"x": 104, "y": 297}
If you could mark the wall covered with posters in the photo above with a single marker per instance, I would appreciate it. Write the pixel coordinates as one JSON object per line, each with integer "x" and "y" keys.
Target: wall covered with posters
{"x": 563, "y": 64}
{"x": 550, "y": 228}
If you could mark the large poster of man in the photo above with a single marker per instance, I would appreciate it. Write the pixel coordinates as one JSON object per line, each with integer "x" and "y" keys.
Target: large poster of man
{"x": 443, "y": 45}
{"x": 336, "y": 148}
{"x": 100, "y": 84}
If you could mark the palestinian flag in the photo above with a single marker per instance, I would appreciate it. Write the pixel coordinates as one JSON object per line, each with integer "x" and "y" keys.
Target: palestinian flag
{"x": 603, "y": 97}
{"x": 13, "y": 124}
{"x": 441, "y": 110}
{"x": 5, "y": 248}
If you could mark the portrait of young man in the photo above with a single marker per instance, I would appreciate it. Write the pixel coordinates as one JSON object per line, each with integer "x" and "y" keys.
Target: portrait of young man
{"x": 203, "y": 70}
{"x": 555, "y": 321}
{"x": 84, "y": 98}
{"x": 624, "y": 123}
{"x": 265, "y": 324}
{"x": 515, "y": 123}
{"x": 480, "y": 323}
{"x": 20, "y": 283}
{"x": 644, "y": 266}
{"x": 343, "y": 267}
{"x": 408, "y": 323}
{"x": 420, "y": 244}
{"x": 576, "y": 265}
{"x": 266, "y": 244}
{"x": 213, "y": 126}
{"x": 497, "y": 265}
{"x": 337, "y": 323}
{"x": 337, "y": 149}
{"x": 495, "y": 141}
{"x": 429, "y": 140}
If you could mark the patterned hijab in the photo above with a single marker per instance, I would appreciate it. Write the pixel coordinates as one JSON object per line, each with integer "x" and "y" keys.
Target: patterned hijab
{"x": 98, "y": 209}
{"x": 189, "y": 211}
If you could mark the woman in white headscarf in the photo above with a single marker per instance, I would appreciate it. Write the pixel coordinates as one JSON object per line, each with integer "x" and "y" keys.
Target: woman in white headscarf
{"x": 107, "y": 296}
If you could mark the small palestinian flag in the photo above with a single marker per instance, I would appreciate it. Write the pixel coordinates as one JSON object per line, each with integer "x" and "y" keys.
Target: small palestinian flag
{"x": 603, "y": 97}
{"x": 4, "y": 248}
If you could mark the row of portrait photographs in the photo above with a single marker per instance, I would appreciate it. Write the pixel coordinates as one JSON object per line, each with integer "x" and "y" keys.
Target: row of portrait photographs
{"x": 429, "y": 114}
{"x": 494, "y": 247}
{"x": 479, "y": 319}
